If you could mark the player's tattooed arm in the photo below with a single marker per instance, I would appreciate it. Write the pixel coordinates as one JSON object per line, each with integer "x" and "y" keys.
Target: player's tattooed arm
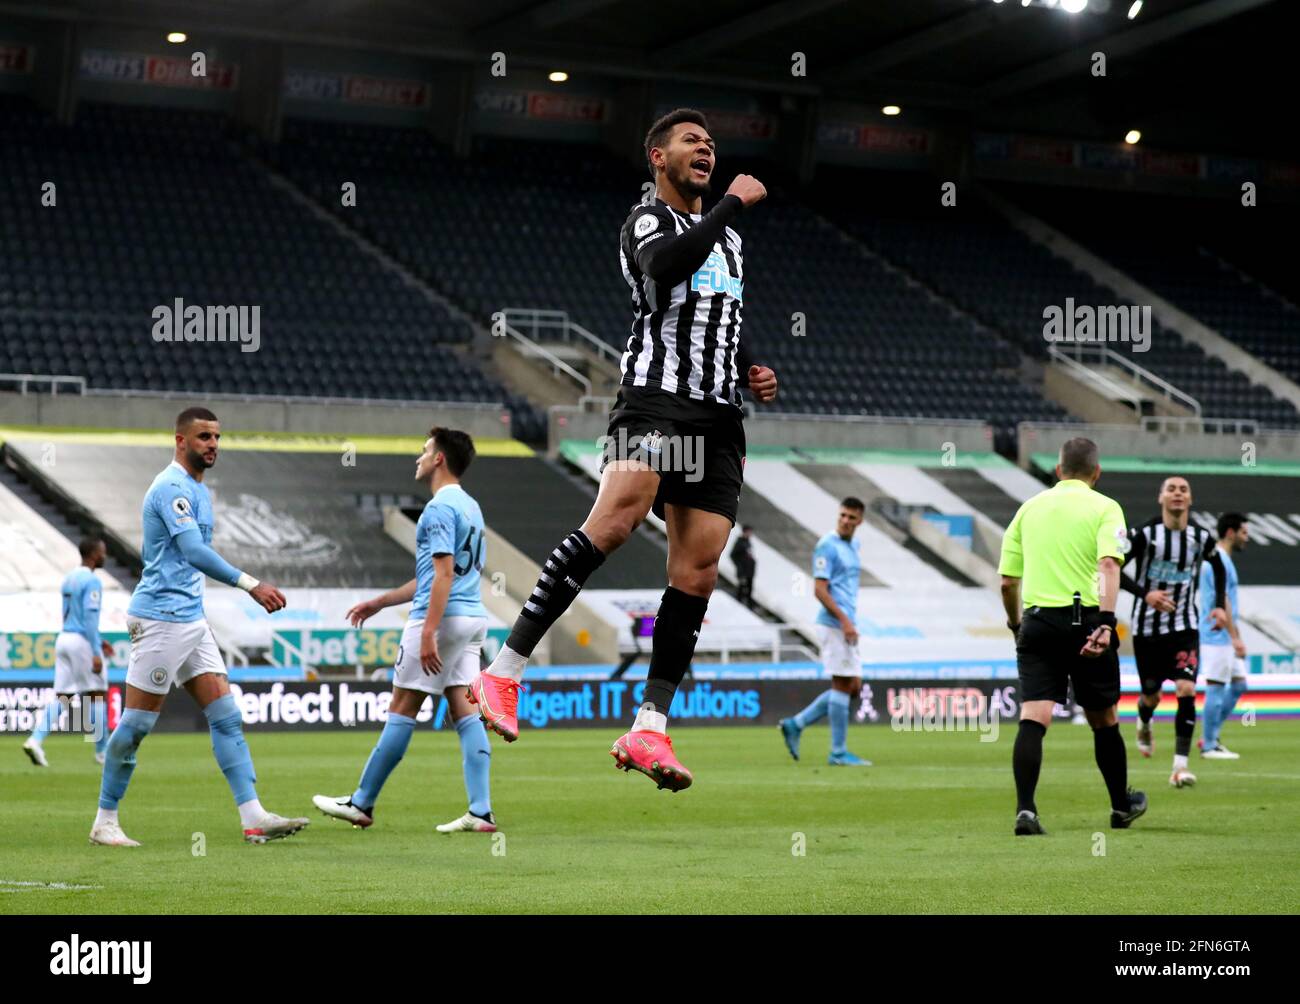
{"x": 366, "y": 609}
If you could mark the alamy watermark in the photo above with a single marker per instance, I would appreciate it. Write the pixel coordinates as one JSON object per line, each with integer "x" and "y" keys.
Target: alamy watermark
{"x": 1086, "y": 324}
{"x": 663, "y": 454}
{"x": 177, "y": 322}
{"x": 948, "y": 709}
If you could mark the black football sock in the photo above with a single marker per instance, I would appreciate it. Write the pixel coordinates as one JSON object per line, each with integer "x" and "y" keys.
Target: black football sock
{"x": 559, "y": 583}
{"x": 1026, "y": 762}
{"x": 1145, "y": 711}
{"x": 1184, "y": 725}
{"x": 1112, "y": 761}
{"x": 677, "y": 629}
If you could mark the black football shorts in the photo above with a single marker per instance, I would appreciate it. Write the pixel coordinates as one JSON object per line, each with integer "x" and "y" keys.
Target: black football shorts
{"x": 1048, "y": 659}
{"x": 698, "y": 447}
{"x": 1160, "y": 657}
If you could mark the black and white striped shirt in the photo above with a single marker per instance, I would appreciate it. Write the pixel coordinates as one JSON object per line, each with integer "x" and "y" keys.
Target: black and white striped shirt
{"x": 686, "y": 300}
{"x": 1169, "y": 560}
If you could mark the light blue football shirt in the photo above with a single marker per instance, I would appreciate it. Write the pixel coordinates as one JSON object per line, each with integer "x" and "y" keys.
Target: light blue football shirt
{"x": 171, "y": 589}
{"x": 451, "y": 523}
{"x": 1210, "y": 635}
{"x": 81, "y": 600}
{"x": 836, "y": 560}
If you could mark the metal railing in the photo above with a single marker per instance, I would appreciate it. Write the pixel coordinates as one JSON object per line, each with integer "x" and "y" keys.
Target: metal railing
{"x": 557, "y": 364}
{"x": 1105, "y": 356}
{"x": 23, "y": 379}
{"x": 1196, "y": 423}
{"x": 1098, "y": 381}
{"x": 539, "y": 323}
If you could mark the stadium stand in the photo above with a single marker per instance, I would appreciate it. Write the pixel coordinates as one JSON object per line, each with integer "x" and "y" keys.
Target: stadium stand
{"x": 1006, "y": 280}
{"x": 1179, "y": 256}
{"x": 563, "y": 204}
{"x": 34, "y": 555}
{"x": 155, "y": 204}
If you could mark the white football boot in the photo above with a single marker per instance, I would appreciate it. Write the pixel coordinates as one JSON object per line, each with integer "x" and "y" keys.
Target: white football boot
{"x": 110, "y": 834}
{"x": 273, "y": 827}
{"x": 469, "y": 823}
{"x": 342, "y": 808}
{"x": 35, "y": 752}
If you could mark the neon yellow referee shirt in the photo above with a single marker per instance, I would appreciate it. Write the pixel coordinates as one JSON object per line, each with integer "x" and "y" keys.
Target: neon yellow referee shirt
{"x": 1055, "y": 541}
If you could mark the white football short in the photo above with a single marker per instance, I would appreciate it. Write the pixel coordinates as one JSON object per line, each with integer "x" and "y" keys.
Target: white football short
{"x": 460, "y": 640}
{"x": 1219, "y": 664}
{"x": 838, "y": 657}
{"x": 164, "y": 653}
{"x": 74, "y": 671}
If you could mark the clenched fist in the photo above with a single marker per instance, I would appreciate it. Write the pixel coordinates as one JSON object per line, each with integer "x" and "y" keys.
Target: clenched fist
{"x": 747, "y": 189}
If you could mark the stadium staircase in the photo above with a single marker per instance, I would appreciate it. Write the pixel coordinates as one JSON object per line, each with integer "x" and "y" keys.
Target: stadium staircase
{"x": 69, "y": 519}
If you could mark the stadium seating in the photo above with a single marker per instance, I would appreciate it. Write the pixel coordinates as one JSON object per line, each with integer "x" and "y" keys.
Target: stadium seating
{"x": 527, "y": 224}
{"x": 157, "y": 204}
{"x": 1006, "y": 280}
{"x": 1185, "y": 252}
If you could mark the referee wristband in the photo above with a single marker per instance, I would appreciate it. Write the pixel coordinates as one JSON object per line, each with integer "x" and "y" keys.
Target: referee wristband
{"x": 246, "y": 582}
{"x": 1106, "y": 618}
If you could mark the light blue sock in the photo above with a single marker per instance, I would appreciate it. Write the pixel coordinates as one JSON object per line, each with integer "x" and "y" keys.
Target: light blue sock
{"x": 228, "y": 746}
{"x": 815, "y": 712}
{"x": 1235, "y": 689}
{"x": 47, "y": 720}
{"x": 97, "y": 720}
{"x": 119, "y": 764}
{"x": 476, "y": 761}
{"x": 1212, "y": 715}
{"x": 839, "y": 714}
{"x": 386, "y": 755}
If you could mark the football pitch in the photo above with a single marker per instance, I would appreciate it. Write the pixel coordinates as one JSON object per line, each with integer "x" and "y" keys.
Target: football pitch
{"x": 926, "y": 830}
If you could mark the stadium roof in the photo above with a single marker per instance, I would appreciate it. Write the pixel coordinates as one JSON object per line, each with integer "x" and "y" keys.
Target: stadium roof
{"x": 1186, "y": 72}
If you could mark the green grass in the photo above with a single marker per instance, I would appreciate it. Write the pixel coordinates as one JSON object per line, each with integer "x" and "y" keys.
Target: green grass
{"x": 926, "y": 830}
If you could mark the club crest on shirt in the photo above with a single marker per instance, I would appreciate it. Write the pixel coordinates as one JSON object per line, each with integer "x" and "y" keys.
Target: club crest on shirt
{"x": 651, "y": 441}
{"x": 645, "y": 224}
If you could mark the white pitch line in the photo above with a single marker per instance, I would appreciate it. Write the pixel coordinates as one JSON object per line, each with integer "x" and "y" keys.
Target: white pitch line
{"x": 65, "y": 886}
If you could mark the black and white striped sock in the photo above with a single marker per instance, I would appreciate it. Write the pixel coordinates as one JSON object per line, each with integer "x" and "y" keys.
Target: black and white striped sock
{"x": 560, "y": 581}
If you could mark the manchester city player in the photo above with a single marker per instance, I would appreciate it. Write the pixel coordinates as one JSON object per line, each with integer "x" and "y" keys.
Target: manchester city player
{"x": 1223, "y": 652}
{"x": 171, "y": 642}
{"x": 78, "y": 666}
{"x": 836, "y": 572}
{"x": 442, "y": 640}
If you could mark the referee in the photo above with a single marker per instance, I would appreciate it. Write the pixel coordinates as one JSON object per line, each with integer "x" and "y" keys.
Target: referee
{"x": 1067, "y": 544}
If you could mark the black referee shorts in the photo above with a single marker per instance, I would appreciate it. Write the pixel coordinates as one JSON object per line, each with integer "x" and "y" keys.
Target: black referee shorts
{"x": 1160, "y": 657}
{"x": 698, "y": 447}
{"x": 1048, "y": 659}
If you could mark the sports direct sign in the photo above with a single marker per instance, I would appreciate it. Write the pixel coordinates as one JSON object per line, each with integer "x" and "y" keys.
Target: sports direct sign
{"x": 540, "y": 105}
{"x": 15, "y": 58}
{"x": 355, "y": 89}
{"x": 159, "y": 71}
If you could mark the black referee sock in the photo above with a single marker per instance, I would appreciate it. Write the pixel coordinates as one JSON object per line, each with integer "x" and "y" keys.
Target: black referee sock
{"x": 677, "y": 629}
{"x": 1184, "y": 725}
{"x": 1145, "y": 711}
{"x": 1026, "y": 762}
{"x": 561, "y": 579}
{"x": 1112, "y": 761}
